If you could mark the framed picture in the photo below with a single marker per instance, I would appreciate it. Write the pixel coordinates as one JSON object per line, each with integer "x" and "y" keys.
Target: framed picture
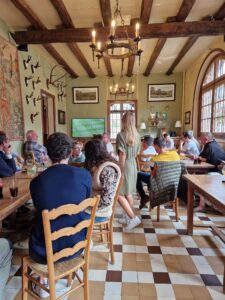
{"x": 61, "y": 117}
{"x": 187, "y": 117}
{"x": 161, "y": 92}
{"x": 85, "y": 95}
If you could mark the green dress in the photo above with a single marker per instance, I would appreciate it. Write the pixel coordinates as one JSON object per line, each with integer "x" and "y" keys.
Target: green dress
{"x": 130, "y": 168}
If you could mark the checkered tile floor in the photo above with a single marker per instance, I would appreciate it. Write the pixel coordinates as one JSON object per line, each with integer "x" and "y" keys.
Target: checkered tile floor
{"x": 157, "y": 260}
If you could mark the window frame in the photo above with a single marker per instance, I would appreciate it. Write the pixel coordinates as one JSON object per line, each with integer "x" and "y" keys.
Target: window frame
{"x": 111, "y": 102}
{"x": 211, "y": 86}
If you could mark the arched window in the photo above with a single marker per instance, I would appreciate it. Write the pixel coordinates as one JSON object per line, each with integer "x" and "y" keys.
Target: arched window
{"x": 212, "y": 98}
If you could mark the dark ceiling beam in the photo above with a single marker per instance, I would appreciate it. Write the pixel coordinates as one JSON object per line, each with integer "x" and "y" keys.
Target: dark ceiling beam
{"x": 219, "y": 15}
{"x": 147, "y": 31}
{"x": 106, "y": 16}
{"x": 68, "y": 23}
{"x": 146, "y": 7}
{"x": 184, "y": 10}
{"x": 37, "y": 24}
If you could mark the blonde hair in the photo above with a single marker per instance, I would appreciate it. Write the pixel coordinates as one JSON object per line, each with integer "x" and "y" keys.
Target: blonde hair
{"x": 128, "y": 128}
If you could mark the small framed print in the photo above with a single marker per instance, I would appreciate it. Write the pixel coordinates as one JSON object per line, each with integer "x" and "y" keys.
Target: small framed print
{"x": 161, "y": 92}
{"x": 187, "y": 117}
{"x": 85, "y": 95}
{"x": 61, "y": 117}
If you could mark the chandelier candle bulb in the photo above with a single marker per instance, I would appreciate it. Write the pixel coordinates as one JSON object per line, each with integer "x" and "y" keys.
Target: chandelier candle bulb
{"x": 113, "y": 27}
{"x": 132, "y": 88}
{"x": 110, "y": 88}
{"x": 139, "y": 45}
{"x": 123, "y": 50}
{"x": 93, "y": 37}
{"x": 137, "y": 27}
{"x": 99, "y": 45}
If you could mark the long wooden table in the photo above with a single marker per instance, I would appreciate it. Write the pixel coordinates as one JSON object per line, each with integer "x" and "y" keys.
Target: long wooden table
{"x": 8, "y": 205}
{"x": 203, "y": 167}
{"x": 213, "y": 189}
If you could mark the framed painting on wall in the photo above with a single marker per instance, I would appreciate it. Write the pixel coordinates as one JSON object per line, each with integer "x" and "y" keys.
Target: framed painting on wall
{"x": 85, "y": 95}
{"x": 11, "y": 110}
{"x": 61, "y": 117}
{"x": 187, "y": 117}
{"x": 161, "y": 92}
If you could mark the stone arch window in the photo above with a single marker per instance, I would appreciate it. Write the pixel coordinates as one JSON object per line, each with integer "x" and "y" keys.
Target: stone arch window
{"x": 212, "y": 98}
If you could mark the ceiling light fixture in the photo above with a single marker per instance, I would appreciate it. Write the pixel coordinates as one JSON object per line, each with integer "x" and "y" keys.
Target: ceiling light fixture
{"x": 114, "y": 49}
{"x": 121, "y": 88}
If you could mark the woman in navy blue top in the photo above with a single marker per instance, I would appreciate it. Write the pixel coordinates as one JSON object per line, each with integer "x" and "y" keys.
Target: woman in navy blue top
{"x": 60, "y": 184}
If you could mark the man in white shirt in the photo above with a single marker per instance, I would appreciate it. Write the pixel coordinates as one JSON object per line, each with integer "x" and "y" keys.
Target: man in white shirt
{"x": 147, "y": 147}
{"x": 169, "y": 141}
{"x": 106, "y": 140}
{"x": 189, "y": 147}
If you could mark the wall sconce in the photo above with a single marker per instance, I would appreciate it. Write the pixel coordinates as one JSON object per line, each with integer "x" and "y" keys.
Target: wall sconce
{"x": 28, "y": 97}
{"x": 27, "y": 79}
{"x": 142, "y": 126}
{"x": 34, "y": 83}
{"x": 35, "y": 100}
{"x": 35, "y": 67}
{"x": 33, "y": 116}
{"x": 27, "y": 61}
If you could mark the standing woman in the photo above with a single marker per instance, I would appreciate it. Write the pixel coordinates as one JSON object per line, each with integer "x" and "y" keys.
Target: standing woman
{"x": 127, "y": 146}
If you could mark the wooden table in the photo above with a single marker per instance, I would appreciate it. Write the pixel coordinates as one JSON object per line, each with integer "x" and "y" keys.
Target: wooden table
{"x": 203, "y": 167}
{"x": 8, "y": 205}
{"x": 213, "y": 189}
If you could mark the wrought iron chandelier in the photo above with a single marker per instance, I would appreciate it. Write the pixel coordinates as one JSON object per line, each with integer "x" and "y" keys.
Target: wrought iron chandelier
{"x": 121, "y": 88}
{"x": 114, "y": 49}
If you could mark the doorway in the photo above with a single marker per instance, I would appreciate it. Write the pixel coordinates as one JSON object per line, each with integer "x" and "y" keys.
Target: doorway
{"x": 48, "y": 114}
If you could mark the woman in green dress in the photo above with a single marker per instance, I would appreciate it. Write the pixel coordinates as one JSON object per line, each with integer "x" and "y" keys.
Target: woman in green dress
{"x": 127, "y": 146}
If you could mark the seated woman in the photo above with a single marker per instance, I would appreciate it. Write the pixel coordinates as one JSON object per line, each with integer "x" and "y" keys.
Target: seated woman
{"x": 105, "y": 177}
{"x": 77, "y": 154}
{"x": 58, "y": 185}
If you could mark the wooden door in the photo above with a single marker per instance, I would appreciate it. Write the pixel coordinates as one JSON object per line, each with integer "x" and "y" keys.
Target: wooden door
{"x": 48, "y": 114}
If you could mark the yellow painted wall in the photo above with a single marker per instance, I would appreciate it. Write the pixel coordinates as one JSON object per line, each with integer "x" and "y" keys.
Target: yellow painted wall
{"x": 173, "y": 108}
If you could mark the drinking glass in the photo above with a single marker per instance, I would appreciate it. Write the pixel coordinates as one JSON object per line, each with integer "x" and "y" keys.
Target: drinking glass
{"x": 13, "y": 188}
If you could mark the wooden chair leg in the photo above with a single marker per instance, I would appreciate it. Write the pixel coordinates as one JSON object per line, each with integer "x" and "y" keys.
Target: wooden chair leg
{"x": 86, "y": 283}
{"x": 24, "y": 280}
{"x": 52, "y": 287}
{"x": 176, "y": 209}
{"x": 101, "y": 234}
{"x": 158, "y": 213}
{"x": 69, "y": 279}
{"x": 111, "y": 247}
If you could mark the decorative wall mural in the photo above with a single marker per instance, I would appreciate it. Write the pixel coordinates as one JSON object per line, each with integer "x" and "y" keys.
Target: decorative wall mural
{"x": 11, "y": 111}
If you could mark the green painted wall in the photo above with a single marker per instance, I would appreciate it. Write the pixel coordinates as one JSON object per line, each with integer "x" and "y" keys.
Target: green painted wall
{"x": 43, "y": 73}
{"x": 173, "y": 108}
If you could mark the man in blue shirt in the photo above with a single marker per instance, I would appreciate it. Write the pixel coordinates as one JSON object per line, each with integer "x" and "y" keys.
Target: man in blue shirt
{"x": 7, "y": 163}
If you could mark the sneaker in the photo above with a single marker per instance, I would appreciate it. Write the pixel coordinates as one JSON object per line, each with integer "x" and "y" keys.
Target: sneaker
{"x": 60, "y": 288}
{"x": 124, "y": 220}
{"x": 39, "y": 291}
{"x": 134, "y": 222}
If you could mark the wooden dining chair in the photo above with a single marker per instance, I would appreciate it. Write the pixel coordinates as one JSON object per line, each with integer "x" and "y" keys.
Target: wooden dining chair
{"x": 53, "y": 270}
{"x": 105, "y": 228}
{"x": 143, "y": 162}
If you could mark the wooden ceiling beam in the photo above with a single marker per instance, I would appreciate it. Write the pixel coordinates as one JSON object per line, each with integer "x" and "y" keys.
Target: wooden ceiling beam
{"x": 68, "y": 23}
{"x": 106, "y": 16}
{"x": 184, "y": 10}
{"x": 147, "y": 31}
{"x": 219, "y": 15}
{"x": 146, "y": 7}
{"x": 37, "y": 24}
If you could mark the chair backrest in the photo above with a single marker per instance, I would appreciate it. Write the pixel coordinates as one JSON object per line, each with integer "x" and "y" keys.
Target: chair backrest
{"x": 164, "y": 184}
{"x": 69, "y": 209}
{"x": 143, "y": 162}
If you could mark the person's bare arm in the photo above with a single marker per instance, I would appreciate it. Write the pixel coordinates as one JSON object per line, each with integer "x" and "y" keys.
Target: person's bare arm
{"x": 122, "y": 158}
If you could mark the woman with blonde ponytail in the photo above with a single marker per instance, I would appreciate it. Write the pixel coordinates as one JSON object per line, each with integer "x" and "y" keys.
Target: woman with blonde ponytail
{"x": 127, "y": 146}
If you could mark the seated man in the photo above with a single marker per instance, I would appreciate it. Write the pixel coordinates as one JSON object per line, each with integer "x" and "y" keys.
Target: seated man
{"x": 5, "y": 264}
{"x": 169, "y": 141}
{"x": 189, "y": 147}
{"x": 58, "y": 185}
{"x": 147, "y": 147}
{"x": 212, "y": 152}
{"x": 7, "y": 163}
{"x": 163, "y": 155}
{"x": 31, "y": 145}
{"x": 77, "y": 154}
{"x": 106, "y": 140}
